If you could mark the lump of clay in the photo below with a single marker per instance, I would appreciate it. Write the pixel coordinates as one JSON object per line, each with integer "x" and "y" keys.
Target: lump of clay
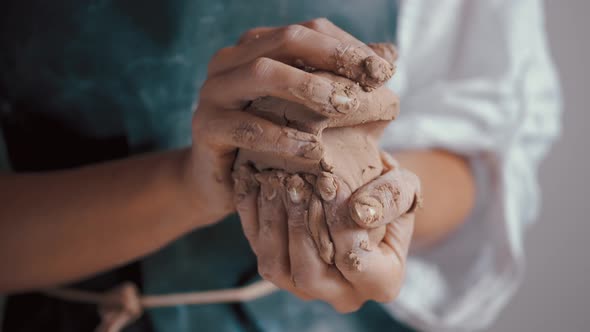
{"x": 348, "y": 141}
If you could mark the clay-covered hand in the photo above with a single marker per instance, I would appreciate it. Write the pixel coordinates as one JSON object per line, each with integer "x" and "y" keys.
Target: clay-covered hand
{"x": 305, "y": 232}
{"x": 371, "y": 229}
{"x": 264, "y": 64}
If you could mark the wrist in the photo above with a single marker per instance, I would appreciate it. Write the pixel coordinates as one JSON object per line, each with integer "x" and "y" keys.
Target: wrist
{"x": 208, "y": 191}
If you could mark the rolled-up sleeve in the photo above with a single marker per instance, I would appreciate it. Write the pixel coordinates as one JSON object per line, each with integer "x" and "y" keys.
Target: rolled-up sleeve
{"x": 475, "y": 78}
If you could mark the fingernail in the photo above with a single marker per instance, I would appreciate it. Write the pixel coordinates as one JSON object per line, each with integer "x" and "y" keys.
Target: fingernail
{"x": 368, "y": 211}
{"x": 295, "y": 188}
{"x": 294, "y": 195}
{"x": 343, "y": 98}
{"x": 326, "y": 186}
{"x": 365, "y": 213}
{"x": 244, "y": 181}
{"x": 269, "y": 184}
{"x": 269, "y": 193}
{"x": 378, "y": 69}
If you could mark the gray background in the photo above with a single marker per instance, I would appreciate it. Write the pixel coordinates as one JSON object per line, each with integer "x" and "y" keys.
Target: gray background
{"x": 555, "y": 295}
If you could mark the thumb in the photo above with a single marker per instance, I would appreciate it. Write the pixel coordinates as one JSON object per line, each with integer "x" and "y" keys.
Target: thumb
{"x": 385, "y": 199}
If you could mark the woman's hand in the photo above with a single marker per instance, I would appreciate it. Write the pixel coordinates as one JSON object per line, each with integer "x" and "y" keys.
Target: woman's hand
{"x": 269, "y": 62}
{"x": 283, "y": 218}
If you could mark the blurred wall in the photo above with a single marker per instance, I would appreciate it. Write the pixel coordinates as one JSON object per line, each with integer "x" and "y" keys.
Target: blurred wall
{"x": 555, "y": 295}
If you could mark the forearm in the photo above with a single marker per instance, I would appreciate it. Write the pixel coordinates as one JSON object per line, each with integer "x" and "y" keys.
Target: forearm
{"x": 448, "y": 190}
{"x": 61, "y": 226}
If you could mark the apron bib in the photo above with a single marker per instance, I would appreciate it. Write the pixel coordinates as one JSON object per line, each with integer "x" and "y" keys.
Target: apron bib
{"x": 128, "y": 72}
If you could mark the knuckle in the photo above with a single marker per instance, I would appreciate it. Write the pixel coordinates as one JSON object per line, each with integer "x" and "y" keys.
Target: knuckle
{"x": 248, "y": 35}
{"x": 320, "y": 24}
{"x": 247, "y": 133}
{"x": 261, "y": 68}
{"x": 219, "y": 56}
{"x": 291, "y": 33}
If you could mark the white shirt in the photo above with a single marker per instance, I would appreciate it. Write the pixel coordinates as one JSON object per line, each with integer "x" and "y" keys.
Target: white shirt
{"x": 475, "y": 77}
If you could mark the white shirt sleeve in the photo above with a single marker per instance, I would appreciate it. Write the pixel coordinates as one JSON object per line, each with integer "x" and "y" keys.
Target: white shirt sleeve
{"x": 475, "y": 78}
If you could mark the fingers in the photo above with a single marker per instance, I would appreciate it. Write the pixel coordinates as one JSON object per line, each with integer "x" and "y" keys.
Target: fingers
{"x": 318, "y": 230}
{"x": 266, "y": 77}
{"x": 389, "y": 163}
{"x": 341, "y": 227}
{"x": 235, "y": 129}
{"x": 300, "y": 46}
{"x": 393, "y": 250}
{"x": 381, "y": 71}
{"x": 351, "y": 243}
{"x": 373, "y": 268}
{"x": 272, "y": 246}
{"x": 308, "y": 272}
{"x": 398, "y": 237}
{"x": 273, "y": 241}
{"x": 326, "y": 27}
{"x": 246, "y": 190}
{"x": 385, "y": 199}
{"x": 383, "y": 267}
{"x": 302, "y": 251}
{"x": 326, "y": 186}
{"x": 254, "y": 33}
{"x": 379, "y": 105}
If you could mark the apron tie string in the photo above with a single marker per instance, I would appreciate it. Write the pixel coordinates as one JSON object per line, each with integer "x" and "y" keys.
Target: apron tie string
{"x": 124, "y": 304}
{"x": 121, "y": 308}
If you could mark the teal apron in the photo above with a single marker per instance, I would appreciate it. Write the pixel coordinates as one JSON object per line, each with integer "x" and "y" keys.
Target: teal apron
{"x": 121, "y": 77}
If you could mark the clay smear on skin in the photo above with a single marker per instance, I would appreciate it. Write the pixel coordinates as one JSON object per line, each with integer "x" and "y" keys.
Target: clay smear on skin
{"x": 318, "y": 229}
{"x": 341, "y": 97}
{"x": 339, "y": 152}
{"x": 371, "y": 71}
